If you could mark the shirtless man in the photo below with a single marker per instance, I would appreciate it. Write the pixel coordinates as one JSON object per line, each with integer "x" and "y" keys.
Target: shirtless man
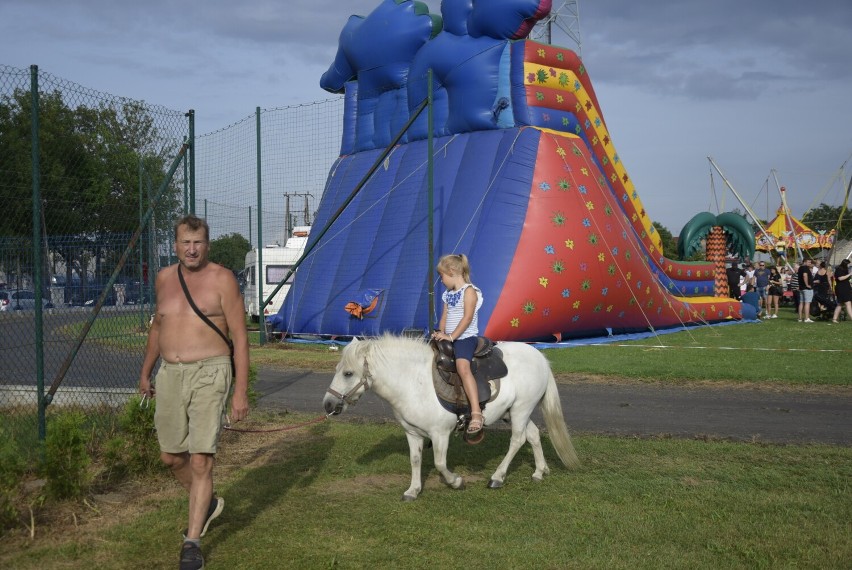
{"x": 194, "y": 378}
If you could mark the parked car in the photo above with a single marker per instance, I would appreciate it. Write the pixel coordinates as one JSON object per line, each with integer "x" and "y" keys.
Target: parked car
{"x": 4, "y": 301}
{"x": 23, "y": 300}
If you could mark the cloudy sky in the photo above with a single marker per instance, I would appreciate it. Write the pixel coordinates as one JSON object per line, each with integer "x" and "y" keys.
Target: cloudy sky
{"x": 756, "y": 84}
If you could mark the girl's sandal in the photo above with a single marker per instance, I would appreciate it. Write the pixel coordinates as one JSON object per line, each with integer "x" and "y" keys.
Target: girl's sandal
{"x": 474, "y": 426}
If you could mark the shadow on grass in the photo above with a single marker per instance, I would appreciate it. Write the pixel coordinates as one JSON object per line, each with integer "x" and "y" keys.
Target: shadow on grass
{"x": 289, "y": 465}
{"x": 474, "y": 461}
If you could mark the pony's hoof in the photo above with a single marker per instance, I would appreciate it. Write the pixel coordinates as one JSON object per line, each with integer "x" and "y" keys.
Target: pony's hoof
{"x": 408, "y": 498}
{"x": 537, "y": 478}
{"x": 495, "y": 484}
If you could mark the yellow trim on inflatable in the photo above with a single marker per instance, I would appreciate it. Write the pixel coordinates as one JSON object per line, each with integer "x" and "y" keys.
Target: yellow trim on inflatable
{"x": 532, "y": 68}
{"x": 707, "y": 299}
{"x": 554, "y": 132}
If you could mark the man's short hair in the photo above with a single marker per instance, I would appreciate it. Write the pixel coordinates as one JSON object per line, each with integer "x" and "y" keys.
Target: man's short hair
{"x": 193, "y": 223}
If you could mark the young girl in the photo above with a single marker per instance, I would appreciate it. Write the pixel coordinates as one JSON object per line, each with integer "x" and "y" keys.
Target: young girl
{"x": 459, "y": 324}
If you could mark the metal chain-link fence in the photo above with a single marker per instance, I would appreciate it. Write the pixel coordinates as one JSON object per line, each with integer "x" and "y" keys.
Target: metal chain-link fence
{"x": 286, "y": 152}
{"x": 90, "y": 186}
{"x": 73, "y": 196}
{"x": 259, "y": 180}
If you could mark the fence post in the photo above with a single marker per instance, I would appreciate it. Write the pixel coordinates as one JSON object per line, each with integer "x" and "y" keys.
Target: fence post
{"x": 191, "y": 115}
{"x": 39, "y": 317}
{"x": 259, "y": 273}
{"x": 431, "y": 192}
{"x": 185, "y": 184}
{"x": 141, "y": 252}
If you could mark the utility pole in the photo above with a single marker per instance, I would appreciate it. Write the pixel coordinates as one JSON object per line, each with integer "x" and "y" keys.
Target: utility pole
{"x": 563, "y": 23}
{"x": 290, "y": 215}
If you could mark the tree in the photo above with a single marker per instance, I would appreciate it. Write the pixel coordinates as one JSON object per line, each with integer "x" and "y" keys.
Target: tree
{"x": 825, "y": 218}
{"x": 669, "y": 245}
{"x": 230, "y": 251}
{"x": 92, "y": 159}
{"x": 727, "y": 232}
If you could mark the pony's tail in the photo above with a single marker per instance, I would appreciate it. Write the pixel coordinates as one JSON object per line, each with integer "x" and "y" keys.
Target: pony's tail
{"x": 551, "y": 408}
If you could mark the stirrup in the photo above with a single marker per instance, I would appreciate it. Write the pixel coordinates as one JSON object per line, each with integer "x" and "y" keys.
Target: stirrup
{"x": 461, "y": 424}
{"x": 475, "y": 437}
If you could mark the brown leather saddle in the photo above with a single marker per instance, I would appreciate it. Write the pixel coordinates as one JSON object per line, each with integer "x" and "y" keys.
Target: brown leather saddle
{"x": 487, "y": 367}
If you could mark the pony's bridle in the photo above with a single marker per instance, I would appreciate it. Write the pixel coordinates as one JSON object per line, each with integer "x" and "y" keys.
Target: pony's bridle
{"x": 347, "y": 397}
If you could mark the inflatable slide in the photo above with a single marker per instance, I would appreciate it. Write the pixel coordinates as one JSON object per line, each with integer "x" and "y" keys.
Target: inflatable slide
{"x": 526, "y": 182}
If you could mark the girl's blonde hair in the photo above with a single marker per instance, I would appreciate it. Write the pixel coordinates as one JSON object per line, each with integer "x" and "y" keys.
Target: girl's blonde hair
{"x": 455, "y": 263}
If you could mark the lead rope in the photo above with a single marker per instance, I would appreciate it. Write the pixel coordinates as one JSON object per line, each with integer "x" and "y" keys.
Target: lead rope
{"x": 365, "y": 381}
{"x": 316, "y": 420}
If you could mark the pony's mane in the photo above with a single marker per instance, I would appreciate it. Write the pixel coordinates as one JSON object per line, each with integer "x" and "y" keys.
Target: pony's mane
{"x": 388, "y": 348}
{"x": 389, "y": 343}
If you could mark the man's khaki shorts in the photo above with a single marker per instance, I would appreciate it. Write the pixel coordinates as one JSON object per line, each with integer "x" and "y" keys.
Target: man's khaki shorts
{"x": 191, "y": 399}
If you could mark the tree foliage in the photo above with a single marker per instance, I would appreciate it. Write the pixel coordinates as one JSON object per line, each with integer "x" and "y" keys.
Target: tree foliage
{"x": 90, "y": 161}
{"x": 669, "y": 243}
{"x": 825, "y": 218}
{"x": 94, "y": 159}
{"x": 230, "y": 251}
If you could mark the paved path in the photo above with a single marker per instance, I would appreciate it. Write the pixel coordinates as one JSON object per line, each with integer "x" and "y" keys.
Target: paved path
{"x": 631, "y": 410}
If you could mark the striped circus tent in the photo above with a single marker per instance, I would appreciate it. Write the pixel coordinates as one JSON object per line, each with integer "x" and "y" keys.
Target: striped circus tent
{"x": 786, "y": 232}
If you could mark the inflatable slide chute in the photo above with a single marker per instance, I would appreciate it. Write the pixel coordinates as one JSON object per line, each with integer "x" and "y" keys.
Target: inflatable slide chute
{"x": 526, "y": 182}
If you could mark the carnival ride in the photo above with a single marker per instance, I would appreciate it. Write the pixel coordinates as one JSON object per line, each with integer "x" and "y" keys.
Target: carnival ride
{"x": 785, "y": 233}
{"x": 785, "y": 237}
{"x": 525, "y": 180}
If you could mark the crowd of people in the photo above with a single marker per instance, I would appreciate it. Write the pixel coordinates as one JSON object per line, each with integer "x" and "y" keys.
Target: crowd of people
{"x": 816, "y": 290}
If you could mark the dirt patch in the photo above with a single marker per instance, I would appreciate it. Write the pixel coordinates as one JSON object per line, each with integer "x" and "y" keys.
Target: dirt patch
{"x": 85, "y": 521}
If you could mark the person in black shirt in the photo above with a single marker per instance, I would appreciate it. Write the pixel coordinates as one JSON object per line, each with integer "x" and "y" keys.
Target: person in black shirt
{"x": 822, "y": 290}
{"x": 793, "y": 283}
{"x": 842, "y": 290}
{"x": 806, "y": 291}
{"x": 734, "y": 274}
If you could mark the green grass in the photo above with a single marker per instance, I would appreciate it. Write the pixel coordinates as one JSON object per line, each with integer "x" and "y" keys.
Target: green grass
{"x": 769, "y": 352}
{"x": 128, "y": 330}
{"x": 328, "y": 496}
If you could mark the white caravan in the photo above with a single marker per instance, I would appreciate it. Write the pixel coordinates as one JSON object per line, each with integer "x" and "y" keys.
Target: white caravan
{"x": 277, "y": 262}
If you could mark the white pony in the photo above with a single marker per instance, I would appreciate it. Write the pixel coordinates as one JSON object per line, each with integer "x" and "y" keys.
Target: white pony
{"x": 400, "y": 371}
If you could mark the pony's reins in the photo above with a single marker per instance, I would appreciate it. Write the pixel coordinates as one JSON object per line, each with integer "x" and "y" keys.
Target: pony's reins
{"x": 347, "y": 397}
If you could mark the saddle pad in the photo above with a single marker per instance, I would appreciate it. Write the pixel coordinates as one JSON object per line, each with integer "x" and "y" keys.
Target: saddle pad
{"x": 452, "y": 396}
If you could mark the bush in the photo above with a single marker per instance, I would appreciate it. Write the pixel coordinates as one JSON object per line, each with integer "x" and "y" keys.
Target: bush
{"x": 66, "y": 459}
{"x": 12, "y": 469}
{"x": 134, "y": 451}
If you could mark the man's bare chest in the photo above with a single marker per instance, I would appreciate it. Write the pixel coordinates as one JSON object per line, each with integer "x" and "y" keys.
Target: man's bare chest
{"x": 173, "y": 301}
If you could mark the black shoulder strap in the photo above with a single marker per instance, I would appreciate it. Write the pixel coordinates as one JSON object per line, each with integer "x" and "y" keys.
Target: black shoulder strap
{"x": 198, "y": 312}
